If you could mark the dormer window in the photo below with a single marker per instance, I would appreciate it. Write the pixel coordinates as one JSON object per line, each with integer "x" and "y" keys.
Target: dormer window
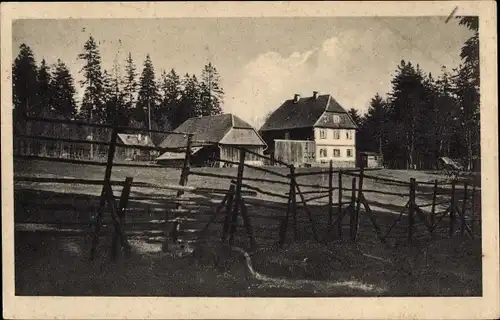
{"x": 336, "y": 118}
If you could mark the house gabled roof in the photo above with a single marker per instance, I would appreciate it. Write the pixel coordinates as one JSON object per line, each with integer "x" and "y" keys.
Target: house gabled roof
{"x": 306, "y": 112}
{"x": 210, "y": 130}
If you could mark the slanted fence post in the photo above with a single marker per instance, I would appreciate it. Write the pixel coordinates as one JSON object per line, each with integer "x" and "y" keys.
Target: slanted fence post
{"x": 293, "y": 196}
{"x": 452, "y": 208}
{"x": 183, "y": 181}
{"x": 102, "y": 202}
{"x": 352, "y": 211}
{"x": 358, "y": 203}
{"x": 473, "y": 208}
{"x": 433, "y": 209}
{"x": 122, "y": 206}
{"x": 464, "y": 203}
{"x": 237, "y": 195}
{"x": 411, "y": 210}
{"x": 330, "y": 194}
{"x": 339, "y": 219}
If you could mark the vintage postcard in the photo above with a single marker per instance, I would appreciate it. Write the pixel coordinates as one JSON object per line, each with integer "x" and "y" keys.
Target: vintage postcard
{"x": 254, "y": 160}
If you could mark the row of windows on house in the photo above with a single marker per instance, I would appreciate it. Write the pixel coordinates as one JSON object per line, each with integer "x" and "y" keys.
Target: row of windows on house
{"x": 323, "y": 153}
{"x": 323, "y": 134}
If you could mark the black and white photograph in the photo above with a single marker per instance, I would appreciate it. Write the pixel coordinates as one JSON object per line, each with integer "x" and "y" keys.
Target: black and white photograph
{"x": 245, "y": 155}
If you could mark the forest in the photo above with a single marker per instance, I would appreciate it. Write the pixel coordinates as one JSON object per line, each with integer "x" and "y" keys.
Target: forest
{"x": 421, "y": 118}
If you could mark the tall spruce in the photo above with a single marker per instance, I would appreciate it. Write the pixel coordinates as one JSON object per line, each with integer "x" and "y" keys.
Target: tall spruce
{"x": 355, "y": 116}
{"x": 467, "y": 83}
{"x": 92, "y": 108}
{"x": 189, "y": 104}
{"x": 130, "y": 83}
{"x": 373, "y": 131}
{"x": 148, "y": 97}
{"x": 44, "y": 89}
{"x": 170, "y": 103}
{"x": 211, "y": 93}
{"x": 63, "y": 92}
{"x": 25, "y": 82}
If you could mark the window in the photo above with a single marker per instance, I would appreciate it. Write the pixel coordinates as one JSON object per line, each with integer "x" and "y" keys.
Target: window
{"x": 349, "y": 153}
{"x": 348, "y": 134}
{"x": 336, "y": 119}
{"x": 322, "y": 134}
{"x": 323, "y": 153}
{"x": 336, "y": 134}
{"x": 336, "y": 152}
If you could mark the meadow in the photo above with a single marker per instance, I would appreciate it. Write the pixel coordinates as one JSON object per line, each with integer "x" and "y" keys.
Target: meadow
{"x": 56, "y": 263}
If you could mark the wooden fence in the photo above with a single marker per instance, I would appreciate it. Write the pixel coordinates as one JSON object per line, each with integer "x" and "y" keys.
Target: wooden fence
{"x": 255, "y": 205}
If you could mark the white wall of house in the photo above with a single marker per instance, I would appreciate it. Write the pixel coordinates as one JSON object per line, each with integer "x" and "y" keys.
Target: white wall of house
{"x": 335, "y": 144}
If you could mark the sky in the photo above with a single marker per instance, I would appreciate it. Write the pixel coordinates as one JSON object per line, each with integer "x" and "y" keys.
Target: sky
{"x": 262, "y": 61}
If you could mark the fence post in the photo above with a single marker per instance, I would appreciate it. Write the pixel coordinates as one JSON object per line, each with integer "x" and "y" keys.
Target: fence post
{"x": 353, "y": 209}
{"x": 102, "y": 201}
{"x": 182, "y": 181}
{"x": 237, "y": 196}
{"x": 462, "y": 225}
{"x": 339, "y": 219}
{"x": 229, "y": 206}
{"x": 452, "y": 208}
{"x": 411, "y": 210}
{"x": 473, "y": 208}
{"x": 433, "y": 209}
{"x": 358, "y": 203}
{"x": 121, "y": 213}
{"x": 330, "y": 193}
{"x": 293, "y": 196}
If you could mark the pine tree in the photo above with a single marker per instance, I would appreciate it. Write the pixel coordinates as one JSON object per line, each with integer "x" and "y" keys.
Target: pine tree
{"x": 373, "y": 131}
{"x": 25, "y": 83}
{"x": 44, "y": 89}
{"x": 406, "y": 101}
{"x": 63, "y": 92}
{"x": 211, "y": 93}
{"x": 189, "y": 104}
{"x": 171, "y": 94}
{"x": 354, "y": 114}
{"x": 467, "y": 83}
{"x": 130, "y": 83}
{"x": 148, "y": 98}
{"x": 92, "y": 108}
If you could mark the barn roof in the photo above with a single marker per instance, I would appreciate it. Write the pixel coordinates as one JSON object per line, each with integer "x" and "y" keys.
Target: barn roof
{"x": 136, "y": 139}
{"x": 210, "y": 130}
{"x": 306, "y": 112}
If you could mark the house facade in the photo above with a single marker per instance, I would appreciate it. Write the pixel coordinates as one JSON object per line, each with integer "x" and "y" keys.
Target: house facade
{"x": 311, "y": 131}
{"x": 215, "y": 142}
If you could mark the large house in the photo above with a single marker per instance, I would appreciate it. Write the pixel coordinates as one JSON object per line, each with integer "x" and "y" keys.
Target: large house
{"x": 214, "y": 138}
{"x": 311, "y": 131}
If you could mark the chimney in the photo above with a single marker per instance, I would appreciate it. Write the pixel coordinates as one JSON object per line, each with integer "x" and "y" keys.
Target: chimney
{"x": 296, "y": 98}
{"x": 315, "y": 95}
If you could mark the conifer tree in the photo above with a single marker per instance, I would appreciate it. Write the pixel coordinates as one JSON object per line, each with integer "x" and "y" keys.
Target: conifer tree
{"x": 25, "y": 82}
{"x": 147, "y": 101}
{"x": 211, "y": 93}
{"x": 63, "y": 92}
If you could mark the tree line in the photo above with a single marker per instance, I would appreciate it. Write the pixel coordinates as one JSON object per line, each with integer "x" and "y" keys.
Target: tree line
{"x": 424, "y": 117}
{"x": 140, "y": 100}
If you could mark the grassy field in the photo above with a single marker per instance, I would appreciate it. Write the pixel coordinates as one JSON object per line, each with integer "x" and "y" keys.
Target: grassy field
{"x": 441, "y": 266}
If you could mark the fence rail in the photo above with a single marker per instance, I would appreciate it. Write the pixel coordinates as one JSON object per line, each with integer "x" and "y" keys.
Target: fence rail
{"x": 241, "y": 206}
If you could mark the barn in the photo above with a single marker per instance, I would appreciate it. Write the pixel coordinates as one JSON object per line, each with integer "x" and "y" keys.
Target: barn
{"x": 214, "y": 137}
{"x": 127, "y": 151}
{"x": 311, "y": 131}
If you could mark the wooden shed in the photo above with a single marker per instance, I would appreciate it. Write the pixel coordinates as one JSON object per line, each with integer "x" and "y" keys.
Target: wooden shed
{"x": 370, "y": 159}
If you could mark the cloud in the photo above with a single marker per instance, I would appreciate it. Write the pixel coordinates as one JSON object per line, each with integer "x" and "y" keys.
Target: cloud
{"x": 340, "y": 66}
{"x": 352, "y": 66}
